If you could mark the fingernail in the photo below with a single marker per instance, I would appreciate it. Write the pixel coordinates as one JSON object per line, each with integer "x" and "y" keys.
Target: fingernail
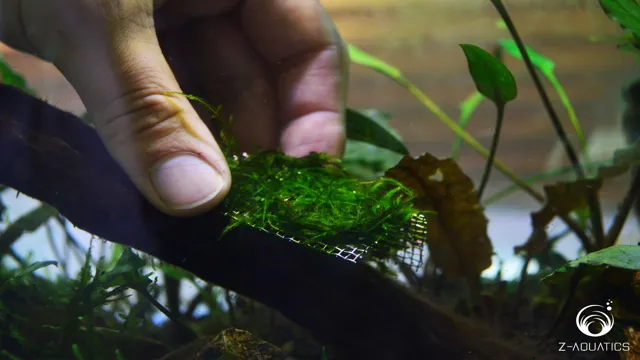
{"x": 184, "y": 181}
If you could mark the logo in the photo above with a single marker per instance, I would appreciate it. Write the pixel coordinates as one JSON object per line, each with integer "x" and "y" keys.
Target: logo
{"x": 595, "y": 315}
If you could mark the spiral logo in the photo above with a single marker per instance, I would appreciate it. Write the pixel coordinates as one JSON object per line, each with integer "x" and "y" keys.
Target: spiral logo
{"x": 592, "y": 314}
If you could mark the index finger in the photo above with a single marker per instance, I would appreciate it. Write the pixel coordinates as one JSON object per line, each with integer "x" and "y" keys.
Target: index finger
{"x": 309, "y": 61}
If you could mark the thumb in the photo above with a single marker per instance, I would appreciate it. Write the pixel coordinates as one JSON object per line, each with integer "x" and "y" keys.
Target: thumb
{"x": 120, "y": 73}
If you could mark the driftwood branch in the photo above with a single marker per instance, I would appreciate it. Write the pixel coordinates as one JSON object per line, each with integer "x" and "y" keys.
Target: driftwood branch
{"x": 52, "y": 156}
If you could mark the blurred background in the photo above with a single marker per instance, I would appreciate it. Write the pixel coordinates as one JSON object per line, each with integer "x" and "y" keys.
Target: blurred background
{"x": 421, "y": 38}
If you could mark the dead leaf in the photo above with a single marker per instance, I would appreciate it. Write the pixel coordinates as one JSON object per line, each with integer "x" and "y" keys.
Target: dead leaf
{"x": 563, "y": 198}
{"x": 633, "y": 337}
{"x": 536, "y": 244}
{"x": 457, "y": 232}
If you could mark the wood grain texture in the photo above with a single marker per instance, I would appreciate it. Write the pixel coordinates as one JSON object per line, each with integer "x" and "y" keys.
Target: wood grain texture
{"x": 421, "y": 38}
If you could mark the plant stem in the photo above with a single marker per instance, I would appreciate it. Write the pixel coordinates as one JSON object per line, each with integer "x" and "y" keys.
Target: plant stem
{"x": 625, "y": 208}
{"x": 431, "y": 106}
{"x": 459, "y": 131}
{"x": 594, "y": 204}
{"x": 520, "y": 290}
{"x": 492, "y": 152}
{"x": 573, "y": 118}
{"x": 571, "y": 153}
{"x": 536, "y": 178}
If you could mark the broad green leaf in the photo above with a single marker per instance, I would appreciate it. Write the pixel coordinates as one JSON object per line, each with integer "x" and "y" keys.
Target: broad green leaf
{"x": 361, "y": 127}
{"x": 27, "y": 223}
{"x": 492, "y": 78}
{"x": 360, "y": 57}
{"x": 625, "y": 257}
{"x": 367, "y": 161}
{"x": 541, "y": 62}
{"x": 12, "y": 78}
{"x": 624, "y": 12}
{"x": 550, "y": 259}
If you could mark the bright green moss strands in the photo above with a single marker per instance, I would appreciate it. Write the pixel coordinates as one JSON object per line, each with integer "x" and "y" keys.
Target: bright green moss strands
{"x": 314, "y": 202}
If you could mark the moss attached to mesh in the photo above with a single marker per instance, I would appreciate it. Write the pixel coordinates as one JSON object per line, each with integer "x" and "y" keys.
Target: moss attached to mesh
{"x": 315, "y": 202}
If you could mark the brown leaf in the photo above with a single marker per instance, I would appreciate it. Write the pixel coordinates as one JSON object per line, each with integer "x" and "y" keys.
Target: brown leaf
{"x": 563, "y": 198}
{"x": 633, "y": 337}
{"x": 457, "y": 232}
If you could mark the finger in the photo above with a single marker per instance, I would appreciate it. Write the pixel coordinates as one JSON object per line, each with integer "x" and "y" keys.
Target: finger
{"x": 304, "y": 50}
{"x": 119, "y": 71}
{"x": 232, "y": 74}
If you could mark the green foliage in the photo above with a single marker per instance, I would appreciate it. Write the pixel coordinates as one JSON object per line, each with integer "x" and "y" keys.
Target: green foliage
{"x": 495, "y": 82}
{"x": 27, "y": 223}
{"x": 315, "y": 202}
{"x": 621, "y": 257}
{"x": 627, "y": 14}
{"x": 492, "y": 78}
{"x": 73, "y": 312}
{"x": 547, "y": 67}
{"x": 368, "y": 161}
{"x": 361, "y": 127}
{"x": 25, "y": 271}
{"x": 467, "y": 107}
{"x": 360, "y": 57}
{"x": 9, "y": 77}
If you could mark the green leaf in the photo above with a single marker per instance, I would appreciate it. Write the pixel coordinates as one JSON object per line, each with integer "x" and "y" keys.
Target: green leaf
{"x": 492, "y": 78}
{"x": 467, "y": 107}
{"x": 366, "y": 161}
{"x": 27, "y": 223}
{"x": 624, "y": 12}
{"x": 175, "y": 272}
{"x": 26, "y": 271}
{"x": 126, "y": 271}
{"x": 541, "y": 62}
{"x": 363, "y": 128}
{"x": 547, "y": 67}
{"x": 360, "y": 57}
{"x": 620, "y": 256}
{"x": 33, "y": 267}
{"x": 12, "y": 78}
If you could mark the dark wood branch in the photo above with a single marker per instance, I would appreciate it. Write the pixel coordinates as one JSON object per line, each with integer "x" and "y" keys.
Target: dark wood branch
{"x": 52, "y": 156}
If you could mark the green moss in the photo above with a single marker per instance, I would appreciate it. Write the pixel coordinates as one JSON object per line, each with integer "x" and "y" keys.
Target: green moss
{"x": 315, "y": 202}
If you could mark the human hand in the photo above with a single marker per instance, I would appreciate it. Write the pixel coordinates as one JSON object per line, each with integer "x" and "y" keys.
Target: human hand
{"x": 278, "y": 66}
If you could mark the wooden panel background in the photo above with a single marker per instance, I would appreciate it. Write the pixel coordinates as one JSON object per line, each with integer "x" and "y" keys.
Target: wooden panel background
{"x": 421, "y": 37}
